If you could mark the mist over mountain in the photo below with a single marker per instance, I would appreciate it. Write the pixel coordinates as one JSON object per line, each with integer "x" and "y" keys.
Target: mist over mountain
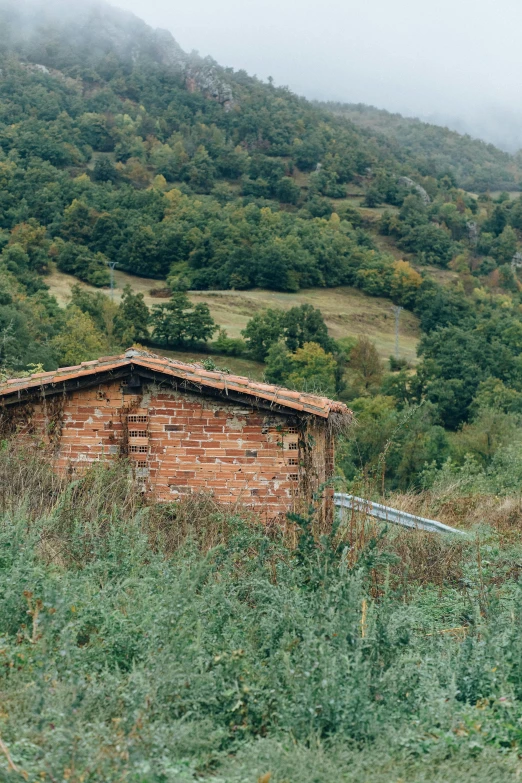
{"x": 86, "y": 32}
{"x": 65, "y": 35}
{"x": 452, "y": 62}
{"x": 490, "y": 118}
{"x": 497, "y": 125}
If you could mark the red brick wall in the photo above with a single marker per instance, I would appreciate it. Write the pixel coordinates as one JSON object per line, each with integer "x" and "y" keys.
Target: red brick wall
{"x": 182, "y": 442}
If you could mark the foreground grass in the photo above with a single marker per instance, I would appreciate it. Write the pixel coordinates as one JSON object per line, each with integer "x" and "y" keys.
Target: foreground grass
{"x": 183, "y": 643}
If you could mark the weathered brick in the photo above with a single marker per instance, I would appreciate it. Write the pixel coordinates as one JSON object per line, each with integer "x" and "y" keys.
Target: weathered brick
{"x": 193, "y": 443}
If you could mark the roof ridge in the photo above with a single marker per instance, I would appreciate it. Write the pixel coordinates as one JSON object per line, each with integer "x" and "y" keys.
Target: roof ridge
{"x": 318, "y": 405}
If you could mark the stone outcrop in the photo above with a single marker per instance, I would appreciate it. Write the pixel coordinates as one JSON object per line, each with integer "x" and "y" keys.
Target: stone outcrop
{"x": 94, "y": 30}
{"x": 410, "y": 183}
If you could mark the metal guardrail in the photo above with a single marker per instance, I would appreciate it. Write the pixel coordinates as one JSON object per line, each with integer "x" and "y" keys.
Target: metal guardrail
{"x": 392, "y": 515}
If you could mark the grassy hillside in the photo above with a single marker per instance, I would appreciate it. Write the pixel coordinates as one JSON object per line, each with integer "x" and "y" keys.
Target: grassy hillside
{"x": 180, "y": 644}
{"x": 347, "y": 311}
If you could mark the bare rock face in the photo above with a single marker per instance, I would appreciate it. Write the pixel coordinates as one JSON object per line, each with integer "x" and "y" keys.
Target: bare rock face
{"x": 200, "y": 74}
{"x": 204, "y": 76}
{"x": 415, "y": 186}
{"x": 57, "y": 34}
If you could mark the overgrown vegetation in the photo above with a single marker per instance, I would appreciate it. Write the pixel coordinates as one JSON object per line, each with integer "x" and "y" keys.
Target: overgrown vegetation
{"x": 185, "y": 642}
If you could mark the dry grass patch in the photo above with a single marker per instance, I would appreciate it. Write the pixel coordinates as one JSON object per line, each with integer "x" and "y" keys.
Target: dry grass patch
{"x": 465, "y": 511}
{"x": 347, "y": 311}
{"x": 27, "y": 480}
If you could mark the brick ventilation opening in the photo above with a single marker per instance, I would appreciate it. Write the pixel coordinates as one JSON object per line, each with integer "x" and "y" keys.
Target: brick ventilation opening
{"x": 138, "y": 449}
{"x": 134, "y": 419}
{"x": 137, "y": 434}
{"x": 293, "y": 462}
{"x": 142, "y": 463}
{"x": 294, "y": 477}
{"x": 292, "y": 446}
{"x": 291, "y": 431}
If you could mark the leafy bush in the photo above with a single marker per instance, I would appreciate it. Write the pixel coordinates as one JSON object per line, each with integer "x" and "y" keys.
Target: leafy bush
{"x": 229, "y": 346}
{"x": 431, "y": 244}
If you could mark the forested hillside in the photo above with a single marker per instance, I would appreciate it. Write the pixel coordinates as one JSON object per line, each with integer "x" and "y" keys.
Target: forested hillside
{"x": 117, "y": 147}
{"x": 125, "y": 149}
{"x": 475, "y": 164}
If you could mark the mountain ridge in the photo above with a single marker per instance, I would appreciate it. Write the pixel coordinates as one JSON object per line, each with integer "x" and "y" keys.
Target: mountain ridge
{"x": 419, "y": 136}
{"x": 67, "y": 38}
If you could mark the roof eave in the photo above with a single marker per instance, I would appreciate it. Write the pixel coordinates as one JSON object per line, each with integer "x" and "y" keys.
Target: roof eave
{"x": 60, "y": 385}
{"x": 187, "y": 376}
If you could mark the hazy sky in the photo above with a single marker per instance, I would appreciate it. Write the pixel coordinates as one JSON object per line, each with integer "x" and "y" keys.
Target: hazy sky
{"x": 458, "y": 59}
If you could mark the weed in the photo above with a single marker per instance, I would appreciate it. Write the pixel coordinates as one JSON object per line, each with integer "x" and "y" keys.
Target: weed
{"x": 181, "y": 642}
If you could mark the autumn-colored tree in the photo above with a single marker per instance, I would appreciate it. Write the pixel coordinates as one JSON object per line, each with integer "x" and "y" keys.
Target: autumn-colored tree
{"x": 310, "y": 368}
{"x": 134, "y": 172}
{"x": 78, "y": 222}
{"x": 404, "y": 283}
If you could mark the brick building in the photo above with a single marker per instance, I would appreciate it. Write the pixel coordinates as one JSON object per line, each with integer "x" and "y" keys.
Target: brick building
{"x": 184, "y": 428}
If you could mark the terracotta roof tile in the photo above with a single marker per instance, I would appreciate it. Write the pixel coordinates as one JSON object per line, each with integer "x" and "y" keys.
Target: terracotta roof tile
{"x": 40, "y": 374}
{"x": 72, "y": 367}
{"x": 66, "y": 377}
{"x": 292, "y": 395}
{"x": 286, "y": 398}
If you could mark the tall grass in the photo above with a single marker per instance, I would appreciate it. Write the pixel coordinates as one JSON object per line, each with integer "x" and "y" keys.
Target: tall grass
{"x": 176, "y": 643}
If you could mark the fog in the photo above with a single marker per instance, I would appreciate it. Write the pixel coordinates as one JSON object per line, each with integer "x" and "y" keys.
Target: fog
{"x": 456, "y": 62}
